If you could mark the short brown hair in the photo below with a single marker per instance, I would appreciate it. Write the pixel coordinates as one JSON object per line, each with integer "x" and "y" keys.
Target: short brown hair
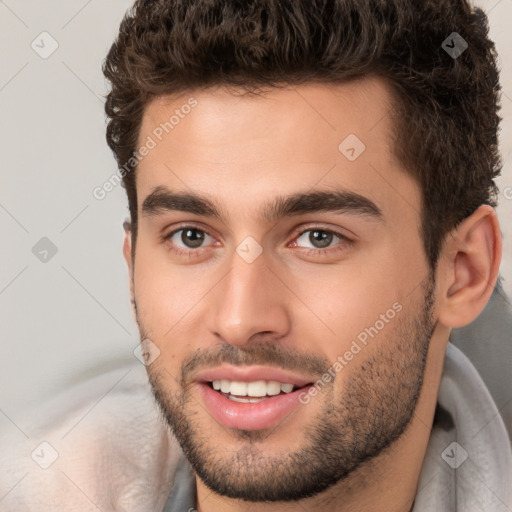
{"x": 445, "y": 133}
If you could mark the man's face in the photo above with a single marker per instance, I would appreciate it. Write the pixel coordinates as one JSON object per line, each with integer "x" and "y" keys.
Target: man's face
{"x": 324, "y": 301}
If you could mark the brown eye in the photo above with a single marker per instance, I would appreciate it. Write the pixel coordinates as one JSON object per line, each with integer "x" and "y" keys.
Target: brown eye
{"x": 189, "y": 238}
{"x": 192, "y": 237}
{"x": 318, "y": 238}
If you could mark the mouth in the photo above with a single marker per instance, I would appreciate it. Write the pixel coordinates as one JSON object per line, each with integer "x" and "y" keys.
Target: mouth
{"x": 252, "y": 392}
{"x": 253, "y": 398}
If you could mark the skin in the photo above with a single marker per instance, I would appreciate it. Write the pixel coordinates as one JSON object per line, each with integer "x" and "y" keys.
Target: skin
{"x": 292, "y": 305}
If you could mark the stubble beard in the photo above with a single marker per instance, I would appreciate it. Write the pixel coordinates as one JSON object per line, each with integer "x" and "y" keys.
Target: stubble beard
{"x": 367, "y": 416}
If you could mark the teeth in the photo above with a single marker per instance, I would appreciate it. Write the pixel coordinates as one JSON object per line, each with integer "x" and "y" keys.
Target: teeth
{"x": 273, "y": 388}
{"x": 238, "y": 388}
{"x": 259, "y": 388}
{"x": 286, "y": 388}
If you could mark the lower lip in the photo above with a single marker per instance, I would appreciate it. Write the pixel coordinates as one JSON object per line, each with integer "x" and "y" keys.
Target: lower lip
{"x": 250, "y": 416}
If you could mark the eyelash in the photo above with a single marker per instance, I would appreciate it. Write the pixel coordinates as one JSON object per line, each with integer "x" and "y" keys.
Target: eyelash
{"x": 190, "y": 253}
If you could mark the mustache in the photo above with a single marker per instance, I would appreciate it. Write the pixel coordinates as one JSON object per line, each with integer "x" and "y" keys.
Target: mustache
{"x": 258, "y": 353}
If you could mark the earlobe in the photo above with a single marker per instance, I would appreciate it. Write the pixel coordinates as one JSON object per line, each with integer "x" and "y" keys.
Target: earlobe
{"x": 470, "y": 266}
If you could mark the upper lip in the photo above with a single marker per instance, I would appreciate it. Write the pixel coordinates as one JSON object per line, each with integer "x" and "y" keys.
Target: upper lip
{"x": 252, "y": 374}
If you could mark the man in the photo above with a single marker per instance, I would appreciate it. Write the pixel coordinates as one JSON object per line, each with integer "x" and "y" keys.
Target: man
{"x": 270, "y": 230}
{"x": 311, "y": 192}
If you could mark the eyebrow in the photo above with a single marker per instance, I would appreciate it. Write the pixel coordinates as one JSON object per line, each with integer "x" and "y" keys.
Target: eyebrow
{"x": 162, "y": 200}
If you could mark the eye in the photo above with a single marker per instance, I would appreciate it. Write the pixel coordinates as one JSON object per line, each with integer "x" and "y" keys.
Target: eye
{"x": 189, "y": 238}
{"x": 318, "y": 240}
{"x": 191, "y": 241}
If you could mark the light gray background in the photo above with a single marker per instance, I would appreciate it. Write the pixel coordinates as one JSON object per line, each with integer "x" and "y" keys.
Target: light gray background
{"x": 71, "y": 316}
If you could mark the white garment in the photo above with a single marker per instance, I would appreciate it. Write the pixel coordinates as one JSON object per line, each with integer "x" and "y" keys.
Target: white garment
{"x": 115, "y": 453}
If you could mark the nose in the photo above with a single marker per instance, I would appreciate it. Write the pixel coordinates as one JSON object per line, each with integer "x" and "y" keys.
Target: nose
{"x": 249, "y": 301}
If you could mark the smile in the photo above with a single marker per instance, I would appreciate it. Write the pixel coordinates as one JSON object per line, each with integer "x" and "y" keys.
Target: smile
{"x": 238, "y": 399}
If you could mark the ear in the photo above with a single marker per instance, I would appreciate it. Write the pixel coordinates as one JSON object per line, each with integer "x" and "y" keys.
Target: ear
{"x": 127, "y": 244}
{"x": 469, "y": 266}
{"x": 127, "y": 253}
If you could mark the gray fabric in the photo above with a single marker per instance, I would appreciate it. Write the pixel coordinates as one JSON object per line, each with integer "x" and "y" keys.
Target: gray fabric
{"x": 482, "y": 482}
{"x": 182, "y": 497}
{"x": 487, "y": 341}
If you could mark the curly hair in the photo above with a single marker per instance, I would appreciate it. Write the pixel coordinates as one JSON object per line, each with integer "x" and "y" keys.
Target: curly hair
{"x": 445, "y": 131}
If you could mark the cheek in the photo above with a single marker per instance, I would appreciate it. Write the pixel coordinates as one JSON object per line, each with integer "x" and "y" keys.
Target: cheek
{"x": 346, "y": 296}
{"x": 358, "y": 300}
{"x": 169, "y": 299}
{"x": 164, "y": 287}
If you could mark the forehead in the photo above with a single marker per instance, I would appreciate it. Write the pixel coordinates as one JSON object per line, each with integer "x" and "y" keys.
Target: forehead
{"x": 322, "y": 109}
{"x": 240, "y": 147}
